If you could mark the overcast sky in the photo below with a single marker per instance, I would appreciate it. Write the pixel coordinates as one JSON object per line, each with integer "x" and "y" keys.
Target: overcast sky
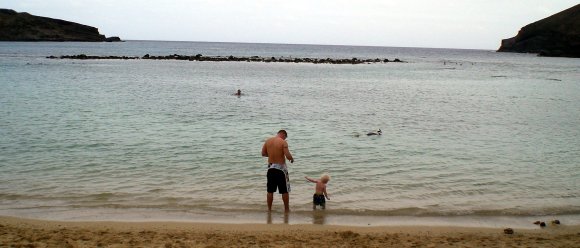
{"x": 470, "y": 24}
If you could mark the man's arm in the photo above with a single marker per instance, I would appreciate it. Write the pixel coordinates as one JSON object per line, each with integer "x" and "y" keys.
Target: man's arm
{"x": 287, "y": 153}
{"x": 264, "y": 151}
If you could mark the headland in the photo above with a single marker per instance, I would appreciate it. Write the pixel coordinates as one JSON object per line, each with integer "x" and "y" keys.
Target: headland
{"x": 22, "y": 26}
{"x": 554, "y": 36}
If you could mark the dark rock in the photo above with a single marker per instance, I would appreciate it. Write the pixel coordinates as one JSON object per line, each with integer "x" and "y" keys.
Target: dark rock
{"x": 543, "y": 224}
{"x": 508, "y": 231}
{"x": 113, "y": 39}
{"x": 16, "y": 26}
{"x": 554, "y": 36}
{"x": 200, "y": 57}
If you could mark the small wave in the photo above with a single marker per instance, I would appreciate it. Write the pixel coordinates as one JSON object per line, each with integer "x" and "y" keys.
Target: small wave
{"x": 12, "y": 196}
{"x": 432, "y": 211}
{"x": 102, "y": 196}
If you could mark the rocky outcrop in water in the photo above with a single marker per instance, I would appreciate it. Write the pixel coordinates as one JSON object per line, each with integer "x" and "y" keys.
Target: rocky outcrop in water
{"x": 200, "y": 57}
{"x": 555, "y": 36}
{"x": 16, "y": 26}
{"x": 113, "y": 39}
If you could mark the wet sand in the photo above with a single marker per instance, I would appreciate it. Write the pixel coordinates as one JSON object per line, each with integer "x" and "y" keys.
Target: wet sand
{"x": 18, "y": 232}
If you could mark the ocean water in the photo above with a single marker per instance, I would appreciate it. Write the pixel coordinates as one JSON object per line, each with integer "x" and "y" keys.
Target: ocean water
{"x": 470, "y": 137}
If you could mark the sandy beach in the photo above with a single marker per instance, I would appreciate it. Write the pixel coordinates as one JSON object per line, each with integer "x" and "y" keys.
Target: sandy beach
{"x": 18, "y": 232}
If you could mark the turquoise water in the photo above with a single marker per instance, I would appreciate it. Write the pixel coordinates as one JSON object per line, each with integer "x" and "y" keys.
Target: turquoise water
{"x": 466, "y": 133}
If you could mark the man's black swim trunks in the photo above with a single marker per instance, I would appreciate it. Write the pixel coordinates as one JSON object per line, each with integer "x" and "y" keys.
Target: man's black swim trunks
{"x": 276, "y": 180}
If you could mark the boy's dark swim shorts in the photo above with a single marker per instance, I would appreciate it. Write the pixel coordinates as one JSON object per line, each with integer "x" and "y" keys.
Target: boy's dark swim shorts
{"x": 318, "y": 200}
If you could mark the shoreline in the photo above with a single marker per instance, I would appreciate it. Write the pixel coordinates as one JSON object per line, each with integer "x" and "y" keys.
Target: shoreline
{"x": 42, "y": 233}
{"x": 318, "y": 217}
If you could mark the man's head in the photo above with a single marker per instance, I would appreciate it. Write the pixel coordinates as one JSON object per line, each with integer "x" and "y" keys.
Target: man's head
{"x": 282, "y": 134}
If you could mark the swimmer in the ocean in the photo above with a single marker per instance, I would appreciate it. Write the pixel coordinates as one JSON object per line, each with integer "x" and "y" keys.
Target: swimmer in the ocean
{"x": 375, "y": 133}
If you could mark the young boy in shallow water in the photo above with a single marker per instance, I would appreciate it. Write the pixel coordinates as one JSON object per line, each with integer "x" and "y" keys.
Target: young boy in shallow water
{"x": 320, "y": 193}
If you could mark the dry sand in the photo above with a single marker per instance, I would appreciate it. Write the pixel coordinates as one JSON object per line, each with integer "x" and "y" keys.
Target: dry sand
{"x": 17, "y": 232}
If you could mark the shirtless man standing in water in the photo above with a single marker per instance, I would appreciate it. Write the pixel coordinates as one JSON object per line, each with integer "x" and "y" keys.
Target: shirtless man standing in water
{"x": 276, "y": 149}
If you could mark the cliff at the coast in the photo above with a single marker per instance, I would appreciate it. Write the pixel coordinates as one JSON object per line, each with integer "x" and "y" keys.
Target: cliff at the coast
{"x": 554, "y": 36}
{"x": 15, "y": 26}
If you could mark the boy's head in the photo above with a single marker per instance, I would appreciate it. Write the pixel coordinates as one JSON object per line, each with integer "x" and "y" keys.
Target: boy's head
{"x": 325, "y": 178}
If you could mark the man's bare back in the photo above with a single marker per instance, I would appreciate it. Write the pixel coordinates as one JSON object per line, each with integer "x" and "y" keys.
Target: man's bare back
{"x": 276, "y": 149}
